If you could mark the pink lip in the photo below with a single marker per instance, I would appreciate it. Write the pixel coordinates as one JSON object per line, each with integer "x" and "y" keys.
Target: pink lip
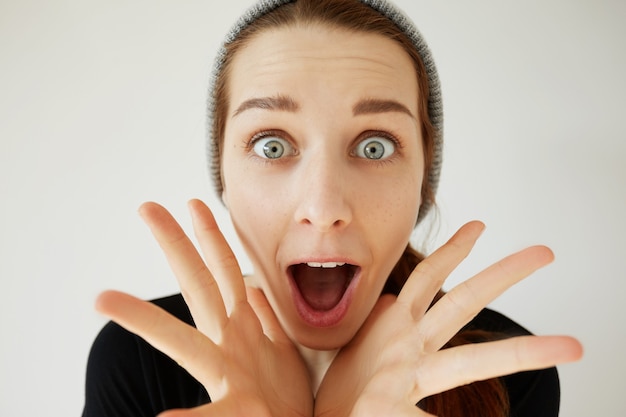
{"x": 327, "y": 318}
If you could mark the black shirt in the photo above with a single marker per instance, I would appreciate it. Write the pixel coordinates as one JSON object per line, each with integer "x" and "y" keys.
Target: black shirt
{"x": 126, "y": 376}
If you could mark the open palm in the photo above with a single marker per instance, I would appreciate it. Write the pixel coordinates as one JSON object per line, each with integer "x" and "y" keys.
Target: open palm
{"x": 238, "y": 350}
{"x": 396, "y": 359}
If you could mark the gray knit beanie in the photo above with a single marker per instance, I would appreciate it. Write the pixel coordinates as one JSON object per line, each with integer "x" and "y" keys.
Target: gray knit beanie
{"x": 387, "y": 9}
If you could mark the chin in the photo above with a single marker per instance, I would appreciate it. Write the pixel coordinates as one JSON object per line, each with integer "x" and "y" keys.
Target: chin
{"x": 324, "y": 339}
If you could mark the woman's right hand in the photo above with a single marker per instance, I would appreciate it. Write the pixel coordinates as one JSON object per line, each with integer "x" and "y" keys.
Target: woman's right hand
{"x": 238, "y": 351}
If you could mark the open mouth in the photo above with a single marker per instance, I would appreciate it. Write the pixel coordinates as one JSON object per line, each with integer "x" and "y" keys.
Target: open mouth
{"x": 322, "y": 290}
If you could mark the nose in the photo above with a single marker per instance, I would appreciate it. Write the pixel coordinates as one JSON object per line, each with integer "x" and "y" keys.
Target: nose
{"x": 324, "y": 201}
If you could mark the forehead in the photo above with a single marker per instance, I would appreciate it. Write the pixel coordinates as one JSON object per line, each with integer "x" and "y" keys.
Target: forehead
{"x": 318, "y": 58}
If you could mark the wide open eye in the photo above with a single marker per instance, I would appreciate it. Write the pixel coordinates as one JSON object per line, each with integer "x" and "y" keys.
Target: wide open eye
{"x": 272, "y": 147}
{"x": 375, "y": 147}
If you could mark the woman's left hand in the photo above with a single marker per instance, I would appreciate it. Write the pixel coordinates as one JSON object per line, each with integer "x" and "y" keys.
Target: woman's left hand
{"x": 396, "y": 359}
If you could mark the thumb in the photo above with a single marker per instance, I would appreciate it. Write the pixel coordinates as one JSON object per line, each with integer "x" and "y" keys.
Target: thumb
{"x": 384, "y": 302}
{"x": 267, "y": 317}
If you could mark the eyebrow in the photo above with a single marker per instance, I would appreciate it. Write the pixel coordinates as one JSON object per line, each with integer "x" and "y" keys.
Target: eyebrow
{"x": 286, "y": 103}
{"x": 280, "y": 103}
{"x": 372, "y": 105}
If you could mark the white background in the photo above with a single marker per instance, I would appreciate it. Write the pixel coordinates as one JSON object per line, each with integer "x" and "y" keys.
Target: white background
{"x": 102, "y": 107}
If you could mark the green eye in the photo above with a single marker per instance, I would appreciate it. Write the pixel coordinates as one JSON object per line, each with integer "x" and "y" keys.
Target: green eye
{"x": 272, "y": 147}
{"x": 375, "y": 147}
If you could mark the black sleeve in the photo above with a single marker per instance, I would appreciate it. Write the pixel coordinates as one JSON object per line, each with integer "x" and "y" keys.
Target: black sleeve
{"x": 532, "y": 393}
{"x": 128, "y": 377}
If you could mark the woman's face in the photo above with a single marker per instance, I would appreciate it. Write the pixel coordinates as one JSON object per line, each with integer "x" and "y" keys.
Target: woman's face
{"x": 322, "y": 165}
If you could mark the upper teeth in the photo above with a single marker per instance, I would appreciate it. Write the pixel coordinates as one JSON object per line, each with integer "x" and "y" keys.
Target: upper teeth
{"x": 325, "y": 264}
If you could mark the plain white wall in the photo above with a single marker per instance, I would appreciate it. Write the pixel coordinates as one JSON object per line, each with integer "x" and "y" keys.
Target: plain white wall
{"x": 102, "y": 107}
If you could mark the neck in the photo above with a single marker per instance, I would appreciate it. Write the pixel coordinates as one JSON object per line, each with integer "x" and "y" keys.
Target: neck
{"x": 317, "y": 362}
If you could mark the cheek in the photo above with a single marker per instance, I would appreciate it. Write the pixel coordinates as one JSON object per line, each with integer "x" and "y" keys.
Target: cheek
{"x": 395, "y": 206}
{"x": 390, "y": 220}
{"x": 257, "y": 213}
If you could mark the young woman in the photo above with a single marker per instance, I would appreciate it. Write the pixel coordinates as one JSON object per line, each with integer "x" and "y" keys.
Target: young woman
{"x": 326, "y": 132}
